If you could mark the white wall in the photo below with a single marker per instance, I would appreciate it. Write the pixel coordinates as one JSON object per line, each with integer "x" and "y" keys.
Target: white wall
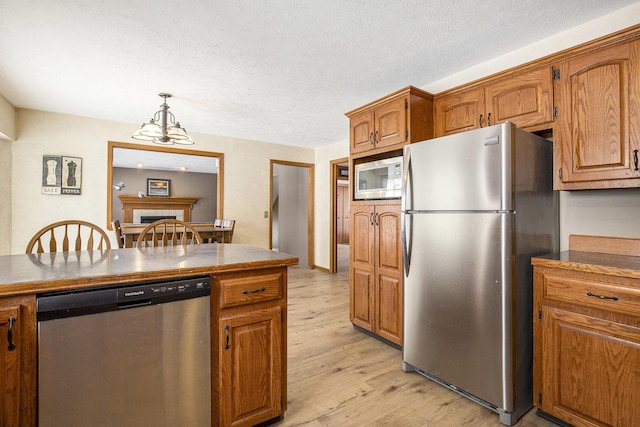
{"x": 246, "y": 174}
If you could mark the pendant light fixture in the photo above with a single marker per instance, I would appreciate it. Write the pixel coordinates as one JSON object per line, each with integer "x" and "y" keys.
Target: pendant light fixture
{"x": 163, "y": 128}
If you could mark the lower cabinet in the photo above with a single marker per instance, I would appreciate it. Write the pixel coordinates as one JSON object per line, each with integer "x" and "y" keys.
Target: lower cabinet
{"x": 587, "y": 347}
{"x": 17, "y": 361}
{"x": 376, "y": 270}
{"x": 250, "y": 380}
{"x": 251, "y": 367}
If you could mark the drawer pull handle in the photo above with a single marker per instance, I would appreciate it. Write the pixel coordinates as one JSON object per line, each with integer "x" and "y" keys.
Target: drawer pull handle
{"x": 255, "y": 291}
{"x": 589, "y": 294}
{"x": 12, "y": 345}
{"x": 226, "y": 341}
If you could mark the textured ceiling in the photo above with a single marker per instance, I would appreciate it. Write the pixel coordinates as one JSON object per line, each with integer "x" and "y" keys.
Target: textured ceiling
{"x": 282, "y": 71}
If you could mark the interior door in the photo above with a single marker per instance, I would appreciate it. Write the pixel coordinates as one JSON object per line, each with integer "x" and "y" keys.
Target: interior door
{"x": 292, "y": 210}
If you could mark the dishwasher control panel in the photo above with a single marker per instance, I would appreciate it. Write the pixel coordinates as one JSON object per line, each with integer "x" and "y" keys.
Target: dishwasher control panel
{"x": 58, "y": 305}
{"x": 164, "y": 289}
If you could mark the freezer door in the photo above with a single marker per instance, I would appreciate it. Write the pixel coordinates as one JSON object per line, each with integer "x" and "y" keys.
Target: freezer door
{"x": 468, "y": 171}
{"x": 457, "y": 302}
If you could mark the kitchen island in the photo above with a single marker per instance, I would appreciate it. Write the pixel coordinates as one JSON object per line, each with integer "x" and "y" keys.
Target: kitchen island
{"x": 236, "y": 272}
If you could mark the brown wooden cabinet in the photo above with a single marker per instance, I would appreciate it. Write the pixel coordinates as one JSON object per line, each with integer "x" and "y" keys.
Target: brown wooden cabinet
{"x": 376, "y": 269}
{"x": 389, "y": 123}
{"x": 17, "y": 361}
{"x": 251, "y": 347}
{"x": 587, "y": 337}
{"x": 524, "y": 98}
{"x": 597, "y": 134}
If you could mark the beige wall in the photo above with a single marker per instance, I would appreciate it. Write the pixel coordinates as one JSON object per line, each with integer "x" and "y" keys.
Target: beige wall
{"x": 322, "y": 215}
{"x": 7, "y": 119}
{"x": 246, "y": 197}
{"x": 7, "y": 134}
{"x": 246, "y": 174}
{"x": 5, "y": 196}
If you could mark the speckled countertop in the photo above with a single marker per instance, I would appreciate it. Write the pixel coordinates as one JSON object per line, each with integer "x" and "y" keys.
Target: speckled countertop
{"x": 26, "y": 274}
{"x": 619, "y": 265}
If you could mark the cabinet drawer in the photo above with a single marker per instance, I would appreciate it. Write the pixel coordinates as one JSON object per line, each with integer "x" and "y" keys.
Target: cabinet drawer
{"x": 592, "y": 293}
{"x": 248, "y": 290}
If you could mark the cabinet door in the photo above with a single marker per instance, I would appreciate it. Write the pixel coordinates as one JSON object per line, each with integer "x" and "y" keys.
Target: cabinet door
{"x": 250, "y": 367}
{"x": 391, "y": 123}
{"x": 361, "y": 268}
{"x": 590, "y": 370}
{"x": 459, "y": 112}
{"x": 17, "y": 361}
{"x": 361, "y": 131}
{"x": 599, "y": 113}
{"x": 388, "y": 287}
{"x": 524, "y": 99}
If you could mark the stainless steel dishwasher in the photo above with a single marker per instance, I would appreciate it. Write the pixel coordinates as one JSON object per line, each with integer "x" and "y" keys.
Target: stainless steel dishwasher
{"x": 125, "y": 356}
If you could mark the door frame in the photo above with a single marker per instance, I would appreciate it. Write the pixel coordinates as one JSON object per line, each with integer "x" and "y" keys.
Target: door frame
{"x": 333, "y": 231}
{"x": 310, "y": 205}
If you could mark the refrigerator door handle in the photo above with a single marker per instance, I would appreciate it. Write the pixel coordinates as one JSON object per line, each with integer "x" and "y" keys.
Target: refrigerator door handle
{"x": 407, "y": 241}
{"x": 406, "y": 202}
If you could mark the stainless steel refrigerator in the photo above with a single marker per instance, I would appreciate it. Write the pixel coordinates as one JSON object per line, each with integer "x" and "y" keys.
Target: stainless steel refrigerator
{"x": 476, "y": 207}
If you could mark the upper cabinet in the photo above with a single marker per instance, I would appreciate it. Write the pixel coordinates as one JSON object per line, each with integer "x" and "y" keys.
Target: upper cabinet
{"x": 391, "y": 122}
{"x": 597, "y": 133}
{"x": 523, "y": 98}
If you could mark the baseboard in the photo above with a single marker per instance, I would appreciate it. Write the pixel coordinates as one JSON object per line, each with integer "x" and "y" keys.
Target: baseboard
{"x": 551, "y": 418}
{"x": 379, "y": 338}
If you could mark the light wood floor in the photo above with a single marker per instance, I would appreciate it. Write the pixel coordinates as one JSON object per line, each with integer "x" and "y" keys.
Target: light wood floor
{"x": 338, "y": 376}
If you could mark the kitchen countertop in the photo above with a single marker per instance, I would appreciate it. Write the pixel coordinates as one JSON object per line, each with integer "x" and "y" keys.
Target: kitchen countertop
{"x": 594, "y": 262}
{"x": 37, "y": 273}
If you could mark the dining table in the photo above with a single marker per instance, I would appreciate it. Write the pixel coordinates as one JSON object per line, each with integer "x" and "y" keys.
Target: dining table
{"x": 208, "y": 232}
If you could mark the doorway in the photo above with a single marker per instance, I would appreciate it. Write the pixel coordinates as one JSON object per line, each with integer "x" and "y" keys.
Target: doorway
{"x": 339, "y": 222}
{"x": 291, "y": 228}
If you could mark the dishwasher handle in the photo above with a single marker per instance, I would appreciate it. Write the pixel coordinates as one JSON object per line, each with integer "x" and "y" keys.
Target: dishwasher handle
{"x": 131, "y": 304}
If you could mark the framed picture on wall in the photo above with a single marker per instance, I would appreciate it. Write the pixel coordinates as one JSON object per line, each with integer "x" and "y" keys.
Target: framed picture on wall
{"x": 158, "y": 187}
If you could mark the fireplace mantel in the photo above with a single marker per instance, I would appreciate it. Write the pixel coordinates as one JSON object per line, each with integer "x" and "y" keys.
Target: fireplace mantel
{"x": 129, "y": 203}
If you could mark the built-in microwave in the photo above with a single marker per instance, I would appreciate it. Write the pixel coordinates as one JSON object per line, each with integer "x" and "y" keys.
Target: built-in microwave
{"x": 380, "y": 179}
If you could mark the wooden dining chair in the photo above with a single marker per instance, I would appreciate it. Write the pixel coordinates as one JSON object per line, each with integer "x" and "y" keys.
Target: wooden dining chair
{"x": 118, "y": 230}
{"x": 167, "y": 232}
{"x": 228, "y": 223}
{"x": 73, "y": 235}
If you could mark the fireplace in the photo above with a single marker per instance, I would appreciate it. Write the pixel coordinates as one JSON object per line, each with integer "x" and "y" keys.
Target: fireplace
{"x": 148, "y": 219}
{"x": 135, "y": 208}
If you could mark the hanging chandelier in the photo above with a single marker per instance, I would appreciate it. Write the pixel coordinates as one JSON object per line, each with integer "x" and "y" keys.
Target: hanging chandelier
{"x": 163, "y": 128}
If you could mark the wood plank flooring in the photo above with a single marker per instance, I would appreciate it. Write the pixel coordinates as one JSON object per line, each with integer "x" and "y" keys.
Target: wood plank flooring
{"x": 338, "y": 376}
